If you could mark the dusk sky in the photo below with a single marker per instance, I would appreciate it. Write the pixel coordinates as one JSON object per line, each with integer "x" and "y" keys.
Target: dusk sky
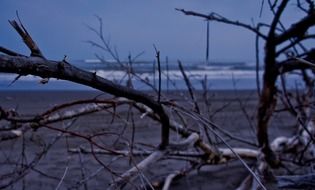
{"x": 59, "y": 27}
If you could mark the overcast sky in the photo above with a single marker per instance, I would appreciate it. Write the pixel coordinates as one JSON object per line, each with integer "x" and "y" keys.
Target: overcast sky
{"x": 59, "y": 27}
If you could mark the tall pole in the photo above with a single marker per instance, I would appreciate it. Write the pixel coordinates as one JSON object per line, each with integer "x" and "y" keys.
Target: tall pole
{"x": 154, "y": 82}
{"x": 167, "y": 76}
{"x": 207, "y": 49}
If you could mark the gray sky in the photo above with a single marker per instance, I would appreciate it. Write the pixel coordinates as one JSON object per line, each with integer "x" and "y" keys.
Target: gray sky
{"x": 59, "y": 27}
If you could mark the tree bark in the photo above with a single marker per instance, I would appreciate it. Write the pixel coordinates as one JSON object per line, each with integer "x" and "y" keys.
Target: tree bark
{"x": 63, "y": 70}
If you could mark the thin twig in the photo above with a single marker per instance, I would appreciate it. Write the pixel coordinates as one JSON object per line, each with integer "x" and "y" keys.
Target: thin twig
{"x": 209, "y": 124}
{"x": 189, "y": 86}
{"x": 62, "y": 178}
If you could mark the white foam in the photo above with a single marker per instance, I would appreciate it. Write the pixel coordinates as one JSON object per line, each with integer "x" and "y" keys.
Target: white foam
{"x": 194, "y": 74}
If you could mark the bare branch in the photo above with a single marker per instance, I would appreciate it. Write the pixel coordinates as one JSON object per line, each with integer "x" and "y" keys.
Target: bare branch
{"x": 296, "y": 63}
{"x": 189, "y": 86}
{"x": 294, "y": 42}
{"x": 276, "y": 19}
{"x": 218, "y": 18}
{"x": 8, "y": 135}
{"x": 9, "y": 52}
{"x": 131, "y": 173}
{"x": 61, "y": 70}
{"x": 35, "y": 51}
{"x": 297, "y": 30}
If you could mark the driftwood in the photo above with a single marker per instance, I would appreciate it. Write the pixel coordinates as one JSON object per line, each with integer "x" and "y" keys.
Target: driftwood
{"x": 226, "y": 153}
{"x": 268, "y": 154}
{"x": 126, "y": 177}
{"x": 63, "y": 70}
{"x": 272, "y": 67}
{"x": 38, "y": 65}
{"x": 8, "y": 135}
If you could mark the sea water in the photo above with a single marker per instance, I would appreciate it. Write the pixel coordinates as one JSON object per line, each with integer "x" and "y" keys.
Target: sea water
{"x": 216, "y": 76}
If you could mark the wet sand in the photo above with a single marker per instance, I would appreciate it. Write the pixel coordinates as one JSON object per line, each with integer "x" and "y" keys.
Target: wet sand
{"x": 233, "y": 111}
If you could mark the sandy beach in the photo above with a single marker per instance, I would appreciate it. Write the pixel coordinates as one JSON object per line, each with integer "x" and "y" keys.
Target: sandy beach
{"x": 234, "y": 111}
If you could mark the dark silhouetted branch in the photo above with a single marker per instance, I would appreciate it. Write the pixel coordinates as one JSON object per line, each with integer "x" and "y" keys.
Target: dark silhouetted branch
{"x": 63, "y": 70}
{"x": 297, "y": 30}
{"x": 9, "y": 52}
{"x": 39, "y": 66}
{"x": 189, "y": 86}
{"x": 268, "y": 100}
{"x": 219, "y": 18}
{"x": 295, "y": 64}
{"x": 35, "y": 51}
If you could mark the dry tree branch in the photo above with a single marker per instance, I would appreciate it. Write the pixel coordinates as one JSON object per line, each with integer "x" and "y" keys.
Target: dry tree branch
{"x": 295, "y": 34}
{"x": 267, "y": 100}
{"x": 105, "y": 46}
{"x": 35, "y": 51}
{"x": 169, "y": 180}
{"x": 210, "y": 125}
{"x": 211, "y": 151}
{"x": 8, "y": 135}
{"x": 180, "y": 129}
{"x": 226, "y": 153}
{"x": 63, "y": 70}
{"x": 294, "y": 63}
{"x": 301, "y": 121}
{"x": 122, "y": 180}
{"x": 10, "y": 52}
{"x": 190, "y": 87}
{"x": 58, "y": 113}
{"x": 105, "y": 43}
{"x": 298, "y": 29}
{"x": 276, "y": 18}
{"x": 294, "y": 42}
{"x": 221, "y": 19}
{"x": 23, "y": 171}
{"x": 39, "y": 66}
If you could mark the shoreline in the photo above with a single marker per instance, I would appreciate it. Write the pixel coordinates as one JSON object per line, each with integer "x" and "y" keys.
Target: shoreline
{"x": 229, "y": 117}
